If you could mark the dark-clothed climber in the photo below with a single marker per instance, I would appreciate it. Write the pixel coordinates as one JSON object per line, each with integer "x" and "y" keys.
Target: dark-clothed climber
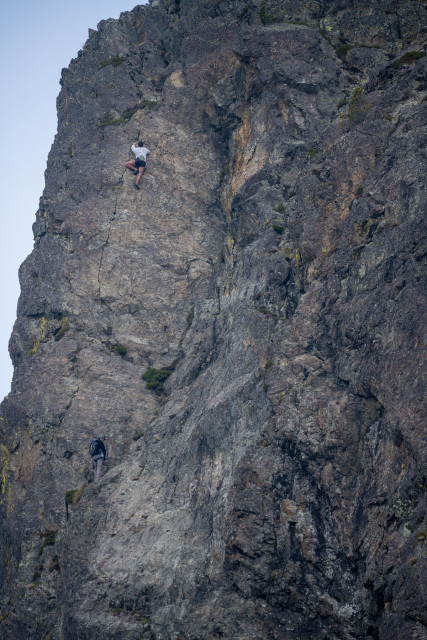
{"x": 99, "y": 454}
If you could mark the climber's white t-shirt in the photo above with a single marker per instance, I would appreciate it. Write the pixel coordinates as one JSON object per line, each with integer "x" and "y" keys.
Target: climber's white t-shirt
{"x": 140, "y": 152}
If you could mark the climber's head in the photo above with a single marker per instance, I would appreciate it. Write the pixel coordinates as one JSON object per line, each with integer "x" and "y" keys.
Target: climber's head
{"x": 101, "y": 436}
{"x": 140, "y": 144}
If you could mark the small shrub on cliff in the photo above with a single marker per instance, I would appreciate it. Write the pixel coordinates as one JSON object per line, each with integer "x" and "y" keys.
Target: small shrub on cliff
{"x": 54, "y": 564}
{"x": 73, "y": 495}
{"x": 266, "y": 17}
{"x": 108, "y": 120}
{"x": 342, "y": 51}
{"x": 402, "y": 510}
{"x": 48, "y": 537}
{"x": 190, "y": 318}
{"x": 144, "y": 104}
{"x": 40, "y": 337}
{"x": 120, "y": 349}
{"x": 115, "y": 61}
{"x": 273, "y": 577}
{"x": 224, "y": 172}
{"x": 409, "y": 58}
{"x": 189, "y": 322}
{"x": 62, "y": 329}
{"x": 155, "y": 378}
{"x": 37, "y": 572}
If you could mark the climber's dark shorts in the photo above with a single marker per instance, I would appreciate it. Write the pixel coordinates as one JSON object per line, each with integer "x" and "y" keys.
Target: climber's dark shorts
{"x": 140, "y": 163}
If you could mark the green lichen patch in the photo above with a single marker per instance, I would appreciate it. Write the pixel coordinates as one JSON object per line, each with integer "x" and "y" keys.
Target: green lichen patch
{"x": 109, "y": 120}
{"x": 120, "y": 349}
{"x": 342, "y": 51}
{"x": 115, "y": 347}
{"x": 268, "y": 313}
{"x": 190, "y": 318}
{"x": 265, "y": 16}
{"x": 155, "y": 378}
{"x": 129, "y": 112}
{"x": 115, "y": 62}
{"x": 224, "y": 172}
{"x": 189, "y": 322}
{"x": 143, "y": 104}
{"x": 273, "y": 577}
{"x": 54, "y": 564}
{"x": 48, "y": 539}
{"x": 279, "y": 229}
{"x": 37, "y": 572}
{"x": 408, "y": 58}
{"x": 402, "y": 509}
{"x": 142, "y": 619}
{"x": 62, "y": 329}
{"x": 73, "y": 495}
{"x": 40, "y": 337}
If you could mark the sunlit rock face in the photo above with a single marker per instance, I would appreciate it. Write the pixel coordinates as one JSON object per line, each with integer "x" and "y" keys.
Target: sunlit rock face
{"x": 269, "y": 272}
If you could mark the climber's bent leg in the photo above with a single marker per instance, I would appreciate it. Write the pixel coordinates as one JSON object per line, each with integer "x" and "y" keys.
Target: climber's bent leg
{"x": 98, "y": 468}
{"x": 140, "y": 172}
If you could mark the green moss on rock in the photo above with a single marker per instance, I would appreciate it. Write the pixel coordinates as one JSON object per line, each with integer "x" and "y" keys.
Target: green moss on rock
{"x": 155, "y": 378}
{"x": 408, "y": 58}
{"x": 63, "y": 328}
{"x": 48, "y": 539}
{"x": 115, "y": 61}
{"x": 73, "y": 495}
{"x": 265, "y": 16}
{"x": 109, "y": 120}
{"x": 120, "y": 349}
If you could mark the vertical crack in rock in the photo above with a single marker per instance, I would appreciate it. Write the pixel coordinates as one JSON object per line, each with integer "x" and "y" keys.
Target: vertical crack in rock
{"x": 106, "y": 244}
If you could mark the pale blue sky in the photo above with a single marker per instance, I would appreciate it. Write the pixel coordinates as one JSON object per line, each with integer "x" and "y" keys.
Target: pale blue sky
{"x": 37, "y": 39}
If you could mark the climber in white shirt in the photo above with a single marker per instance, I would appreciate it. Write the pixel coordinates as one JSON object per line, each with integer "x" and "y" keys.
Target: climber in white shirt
{"x": 138, "y": 165}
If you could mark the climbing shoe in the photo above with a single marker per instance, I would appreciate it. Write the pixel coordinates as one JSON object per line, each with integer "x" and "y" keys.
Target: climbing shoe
{"x": 135, "y": 173}
{"x": 137, "y": 186}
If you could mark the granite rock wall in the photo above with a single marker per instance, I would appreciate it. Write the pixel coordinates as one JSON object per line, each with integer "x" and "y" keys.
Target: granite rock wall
{"x": 273, "y": 267}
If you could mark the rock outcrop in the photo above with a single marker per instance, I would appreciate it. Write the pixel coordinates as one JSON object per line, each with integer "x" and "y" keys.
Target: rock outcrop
{"x": 270, "y": 274}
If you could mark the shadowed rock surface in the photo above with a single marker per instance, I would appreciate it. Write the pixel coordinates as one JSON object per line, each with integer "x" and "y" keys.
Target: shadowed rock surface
{"x": 273, "y": 264}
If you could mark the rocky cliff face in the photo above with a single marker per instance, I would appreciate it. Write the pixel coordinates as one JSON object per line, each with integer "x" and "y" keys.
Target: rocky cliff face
{"x": 270, "y": 270}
